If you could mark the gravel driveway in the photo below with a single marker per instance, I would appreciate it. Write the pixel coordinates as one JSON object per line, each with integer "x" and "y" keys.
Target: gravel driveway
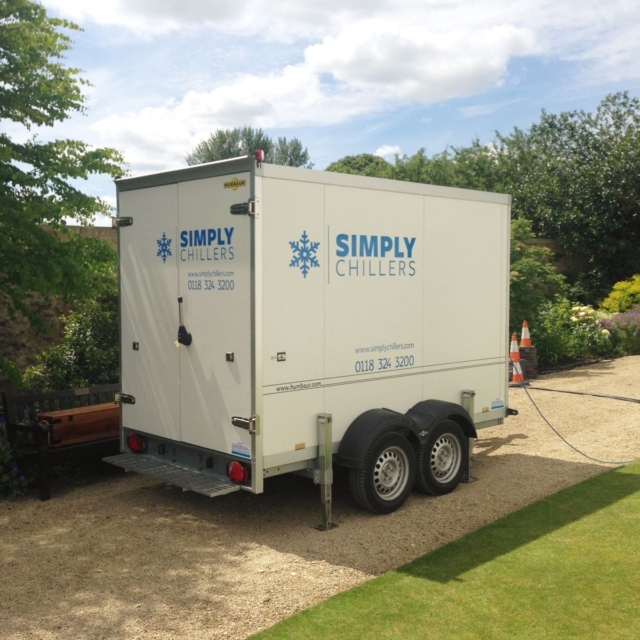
{"x": 127, "y": 557}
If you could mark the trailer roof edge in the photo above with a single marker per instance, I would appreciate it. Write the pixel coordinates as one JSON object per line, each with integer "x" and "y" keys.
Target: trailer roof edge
{"x": 381, "y": 184}
{"x": 195, "y": 172}
{"x": 248, "y": 163}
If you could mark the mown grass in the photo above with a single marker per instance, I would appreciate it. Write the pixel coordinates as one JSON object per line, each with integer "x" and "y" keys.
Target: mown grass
{"x": 565, "y": 567}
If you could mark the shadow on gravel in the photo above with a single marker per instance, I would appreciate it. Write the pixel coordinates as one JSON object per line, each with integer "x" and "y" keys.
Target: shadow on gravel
{"x": 491, "y": 445}
{"x": 525, "y": 526}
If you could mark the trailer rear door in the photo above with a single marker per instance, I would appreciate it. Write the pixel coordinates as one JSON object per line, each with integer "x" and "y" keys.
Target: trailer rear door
{"x": 214, "y": 260}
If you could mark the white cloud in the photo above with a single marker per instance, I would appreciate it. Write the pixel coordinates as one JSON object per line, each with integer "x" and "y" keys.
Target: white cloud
{"x": 156, "y": 136}
{"x": 336, "y": 82}
{"x": 416, "y": 63}
{"x": 387, "y": 151}
{"x": 284, "y": 20}
{"x": 353, "y": 58}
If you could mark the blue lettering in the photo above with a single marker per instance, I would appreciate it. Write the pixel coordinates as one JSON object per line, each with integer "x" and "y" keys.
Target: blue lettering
{"x": 369, "y": 249}
{"x": 206, "y": 237}
{"x": 370, "y": 246}
{"x": 409, "y": 242}
{"x": 342, "y": 241}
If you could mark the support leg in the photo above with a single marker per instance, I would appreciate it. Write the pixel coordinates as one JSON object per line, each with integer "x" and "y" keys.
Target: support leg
{"x": 323, "y": 474}
{"x": 468, "y": 396}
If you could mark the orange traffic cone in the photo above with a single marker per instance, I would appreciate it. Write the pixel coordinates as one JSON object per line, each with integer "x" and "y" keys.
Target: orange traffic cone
{"x": 525, "y": 340}
{"x": 517, "y": 378}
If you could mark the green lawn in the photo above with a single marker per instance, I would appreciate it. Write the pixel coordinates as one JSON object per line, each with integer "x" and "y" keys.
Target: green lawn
{"x": 565, "y": 567}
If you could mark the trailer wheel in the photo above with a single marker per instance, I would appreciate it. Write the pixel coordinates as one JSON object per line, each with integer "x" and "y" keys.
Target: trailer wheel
{"x": 442, "y": 459}
{"x": 387, "y": 476}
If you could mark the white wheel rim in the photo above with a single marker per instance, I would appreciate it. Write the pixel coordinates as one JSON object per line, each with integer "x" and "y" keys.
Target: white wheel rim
{"x": 391, "y": 473}
{"x": 446, "y": 456}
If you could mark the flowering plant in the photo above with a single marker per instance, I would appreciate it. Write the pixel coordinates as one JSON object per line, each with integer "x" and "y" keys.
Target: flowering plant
{"x": 567, "y": 331}
{"x": 624, "y": 329}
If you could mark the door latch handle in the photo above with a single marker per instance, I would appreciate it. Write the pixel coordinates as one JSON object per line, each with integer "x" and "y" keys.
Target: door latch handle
{"x": 125, "y": 398}
{"x": 184, "y": 337}
{"x": 249, "y": 424}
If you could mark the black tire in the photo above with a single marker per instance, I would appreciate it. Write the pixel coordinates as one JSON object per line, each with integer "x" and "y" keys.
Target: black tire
{"x": 387, "y": 476}
{"x": 442, "y": 459}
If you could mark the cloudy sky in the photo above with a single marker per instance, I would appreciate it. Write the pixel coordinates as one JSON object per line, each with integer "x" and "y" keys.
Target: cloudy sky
{"x": 344, "y": 76}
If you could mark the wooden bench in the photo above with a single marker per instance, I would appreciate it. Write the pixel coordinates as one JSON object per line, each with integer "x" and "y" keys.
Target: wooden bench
{"x": 62, "y": 425}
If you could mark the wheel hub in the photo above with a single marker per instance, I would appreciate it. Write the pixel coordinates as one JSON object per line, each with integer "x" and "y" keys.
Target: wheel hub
{"x": 445, "y": 457}
{"x": 390, "y": 473}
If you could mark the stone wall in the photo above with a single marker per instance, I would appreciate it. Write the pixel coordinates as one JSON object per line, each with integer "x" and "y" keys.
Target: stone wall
{"x": 109, "y": 235}
{"x": 19, "y": 341}
{"x": 567, "y": 265}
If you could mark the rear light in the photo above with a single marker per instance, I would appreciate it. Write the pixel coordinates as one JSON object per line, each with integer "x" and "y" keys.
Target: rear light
{"x": 237, "y": 472}
{"x": 136, "y": 443}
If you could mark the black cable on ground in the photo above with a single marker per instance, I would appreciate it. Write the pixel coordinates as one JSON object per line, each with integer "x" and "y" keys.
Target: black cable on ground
{"x": 584, "y": 393}
{"x": 522, "y": 385}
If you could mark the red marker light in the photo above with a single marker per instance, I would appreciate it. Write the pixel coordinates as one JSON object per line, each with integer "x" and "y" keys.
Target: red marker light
{"x": 136, "y": 443}
{"x": 260, "y": 155}
{"x": 237, "y": 472}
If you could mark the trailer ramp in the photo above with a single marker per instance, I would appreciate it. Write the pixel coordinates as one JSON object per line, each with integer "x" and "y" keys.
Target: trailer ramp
{"x": 189, "y": 480}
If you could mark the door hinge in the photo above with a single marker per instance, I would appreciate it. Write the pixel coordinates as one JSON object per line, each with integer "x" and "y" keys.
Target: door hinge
{"x": 244, "y": 423}
{"x": 244, "y": 208}
{"x": 125, "y": 398}
{"x": 125, "y": 221}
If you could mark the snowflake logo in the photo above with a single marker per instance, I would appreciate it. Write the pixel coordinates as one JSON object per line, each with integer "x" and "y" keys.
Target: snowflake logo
{"x": 164, "y": 247}
{"x": 304, "y": 254}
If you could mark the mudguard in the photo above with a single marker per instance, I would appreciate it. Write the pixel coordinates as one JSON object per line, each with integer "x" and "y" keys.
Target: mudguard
{"x": 365, "y": 429}
{"x": 428, "y": 413}
{"x": 418, "y": 421}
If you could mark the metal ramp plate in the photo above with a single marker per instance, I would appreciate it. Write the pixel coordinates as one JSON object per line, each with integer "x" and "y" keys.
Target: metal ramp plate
{"x": 188, "y": 479}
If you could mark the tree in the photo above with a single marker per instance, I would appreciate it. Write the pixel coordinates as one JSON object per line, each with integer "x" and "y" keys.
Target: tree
{"x": 37, "y": 90}
{"x": 534, "y": 279}
{"x": 365, "y": 164}
{"x": 290, "y": 154}
{"x": 240, "y": 141}
{"x": 576, "y": 175}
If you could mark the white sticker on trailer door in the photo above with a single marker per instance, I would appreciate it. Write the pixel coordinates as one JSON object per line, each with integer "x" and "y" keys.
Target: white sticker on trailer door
{"x": 241, "y": 449}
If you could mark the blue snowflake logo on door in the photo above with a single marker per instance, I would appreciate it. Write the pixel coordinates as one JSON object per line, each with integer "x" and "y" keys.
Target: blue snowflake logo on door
{"x": 304, "y": 254}
{"x": 164, "y": 247}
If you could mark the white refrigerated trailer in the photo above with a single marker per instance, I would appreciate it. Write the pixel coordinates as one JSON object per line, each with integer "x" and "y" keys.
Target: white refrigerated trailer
{"x": 279, "y": 320}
